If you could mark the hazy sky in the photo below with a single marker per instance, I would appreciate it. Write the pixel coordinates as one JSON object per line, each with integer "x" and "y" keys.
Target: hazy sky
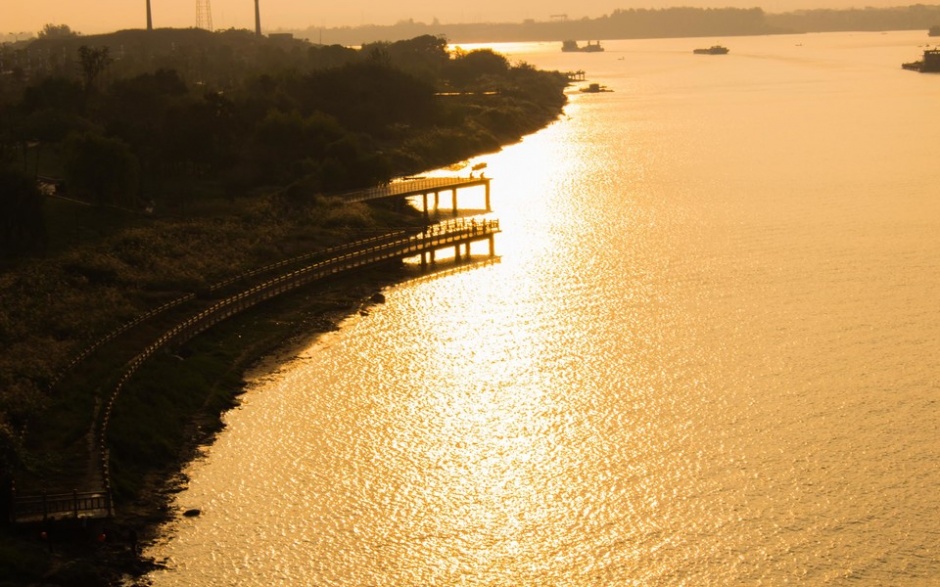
{"x": 97, "y": 16}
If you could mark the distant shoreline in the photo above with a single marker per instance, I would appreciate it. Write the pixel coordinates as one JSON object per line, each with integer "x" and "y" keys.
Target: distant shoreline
{"x": 559, "y": 27}
{"x": 666, "y": 22}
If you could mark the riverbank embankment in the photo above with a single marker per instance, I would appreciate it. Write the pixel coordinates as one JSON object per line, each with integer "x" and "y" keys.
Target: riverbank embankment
{"x": 105, "y": 263}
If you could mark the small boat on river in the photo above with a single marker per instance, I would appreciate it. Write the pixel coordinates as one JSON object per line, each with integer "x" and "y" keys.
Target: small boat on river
{"x": 713, "y": 50}
{"x": 595, "y": 89}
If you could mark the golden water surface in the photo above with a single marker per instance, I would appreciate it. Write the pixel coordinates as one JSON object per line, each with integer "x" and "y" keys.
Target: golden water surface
{"x": 708, "y": 354}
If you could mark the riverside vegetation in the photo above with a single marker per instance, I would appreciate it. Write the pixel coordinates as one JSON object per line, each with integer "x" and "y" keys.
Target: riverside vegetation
{"x": 175, "y": 159}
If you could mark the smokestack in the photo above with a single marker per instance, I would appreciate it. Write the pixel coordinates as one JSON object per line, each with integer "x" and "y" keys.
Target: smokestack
{"x": 257, "y": 18}
{"x": 149, "y": 17}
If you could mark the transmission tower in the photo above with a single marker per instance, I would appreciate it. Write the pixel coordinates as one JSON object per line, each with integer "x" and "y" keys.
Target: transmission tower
{"x": 204, "y": 14}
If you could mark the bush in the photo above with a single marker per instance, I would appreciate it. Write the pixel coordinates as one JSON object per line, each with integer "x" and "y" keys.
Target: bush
{"x": 22, "y": 225}
{"x": 103, "y": 169}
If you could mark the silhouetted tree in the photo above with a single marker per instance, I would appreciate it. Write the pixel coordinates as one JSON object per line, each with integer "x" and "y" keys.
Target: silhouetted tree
{"x": 468, "y": 68}
{"x": 49, "y": 110}
{"x": 56, "y": 31}
{"x": 101, "y": 168}
{"x": 327, "y": 56}
{"x": 369, "y": 97}
{"x": 22, "y": 227}
{"x": 57, "y": 93}
{"x": 94, "y": 61}
{"x": 422, "y": 57}
{"x": 198, "y": 137}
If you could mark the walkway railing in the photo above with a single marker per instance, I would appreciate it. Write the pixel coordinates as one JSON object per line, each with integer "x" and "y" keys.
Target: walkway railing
{"x": 371, "y": 252}
{"x": 58, "y": 506}
{"x": 402, "y": 188}
{"x": 140, "y": 319}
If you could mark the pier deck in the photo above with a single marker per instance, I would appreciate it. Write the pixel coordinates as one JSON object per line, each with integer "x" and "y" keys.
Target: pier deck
{"x": 407, "y": 188}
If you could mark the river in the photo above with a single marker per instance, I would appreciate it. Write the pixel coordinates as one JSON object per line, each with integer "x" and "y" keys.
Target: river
{"x": 708, "y": 353}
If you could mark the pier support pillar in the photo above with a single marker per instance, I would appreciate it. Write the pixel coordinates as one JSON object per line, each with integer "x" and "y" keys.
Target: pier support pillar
{"x": 427, "y": 216}
{"x": 492, "y": 246}
{"x": 488, "y": 207}
{"x": 453, "y": 194}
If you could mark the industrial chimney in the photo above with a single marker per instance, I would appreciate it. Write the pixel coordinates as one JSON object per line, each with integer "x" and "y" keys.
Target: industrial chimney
{"x": 257, "y": 18}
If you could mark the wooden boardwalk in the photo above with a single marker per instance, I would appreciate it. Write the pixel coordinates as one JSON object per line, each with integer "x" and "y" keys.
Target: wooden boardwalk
{"x": 288, "y": 276}
{"x": 61, "y": 506}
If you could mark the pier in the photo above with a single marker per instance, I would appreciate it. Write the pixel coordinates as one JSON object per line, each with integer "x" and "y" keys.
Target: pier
{"x": 425, "y": 187}
{"x": 576, "y": 76}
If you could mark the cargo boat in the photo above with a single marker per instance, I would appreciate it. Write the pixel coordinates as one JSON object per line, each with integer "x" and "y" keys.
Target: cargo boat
{"x": 572, "y": 46}
{"x": 929, "y": 64}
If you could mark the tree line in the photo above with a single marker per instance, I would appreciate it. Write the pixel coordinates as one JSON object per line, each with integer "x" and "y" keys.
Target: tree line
{"x": 232, "y": 112}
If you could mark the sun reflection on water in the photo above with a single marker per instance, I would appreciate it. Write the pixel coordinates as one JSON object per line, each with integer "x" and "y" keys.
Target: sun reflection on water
{"x": 687, "y": 366}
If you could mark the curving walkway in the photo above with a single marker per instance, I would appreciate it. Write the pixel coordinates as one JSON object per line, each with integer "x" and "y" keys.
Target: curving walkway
{"x": 95, "y": 501}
